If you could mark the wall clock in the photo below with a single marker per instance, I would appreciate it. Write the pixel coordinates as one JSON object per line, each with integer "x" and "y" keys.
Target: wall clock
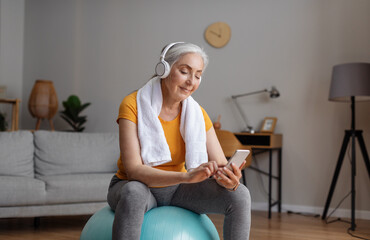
{"x": 218, "y": 34}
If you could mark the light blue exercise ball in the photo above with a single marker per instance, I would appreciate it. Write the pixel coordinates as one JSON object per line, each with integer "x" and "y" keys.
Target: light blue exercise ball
{"x": 162, "y": 223}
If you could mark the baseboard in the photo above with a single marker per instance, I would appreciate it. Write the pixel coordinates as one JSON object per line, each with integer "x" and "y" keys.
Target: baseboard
{"x": 342, "y": 213}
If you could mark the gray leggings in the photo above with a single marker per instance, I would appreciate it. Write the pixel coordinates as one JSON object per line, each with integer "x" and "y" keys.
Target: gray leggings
{"x": 132, "y": 199}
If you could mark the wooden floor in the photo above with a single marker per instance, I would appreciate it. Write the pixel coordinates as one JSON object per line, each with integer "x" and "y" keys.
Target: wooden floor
{"x": 280, "y": 227}
{"x": 297, "y": 227}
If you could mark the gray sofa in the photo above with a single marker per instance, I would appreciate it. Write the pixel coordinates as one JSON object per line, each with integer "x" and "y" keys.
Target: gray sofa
{"x": 55, "y": 173}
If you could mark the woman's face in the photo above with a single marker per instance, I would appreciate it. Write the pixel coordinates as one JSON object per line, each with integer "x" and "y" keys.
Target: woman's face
{"x": 184, "y": 77}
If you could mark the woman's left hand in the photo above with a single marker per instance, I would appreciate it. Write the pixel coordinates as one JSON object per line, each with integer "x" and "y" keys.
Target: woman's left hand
{"x": 232, "y": 178}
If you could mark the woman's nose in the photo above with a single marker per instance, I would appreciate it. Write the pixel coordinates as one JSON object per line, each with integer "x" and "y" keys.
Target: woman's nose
{"x": 191, "y": 79}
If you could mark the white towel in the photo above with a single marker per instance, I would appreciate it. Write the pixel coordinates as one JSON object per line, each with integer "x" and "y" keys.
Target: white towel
{"x": 154, "y": 147}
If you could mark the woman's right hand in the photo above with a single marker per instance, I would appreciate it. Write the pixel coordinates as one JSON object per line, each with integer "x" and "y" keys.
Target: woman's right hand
{"x": 202, "y": 172}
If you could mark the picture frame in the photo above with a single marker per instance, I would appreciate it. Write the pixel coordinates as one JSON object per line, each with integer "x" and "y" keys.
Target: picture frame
{"x": 268, "y": 125}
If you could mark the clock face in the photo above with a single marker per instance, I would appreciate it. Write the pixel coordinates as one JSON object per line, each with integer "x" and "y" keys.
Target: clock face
{"x": 218, "y": 34}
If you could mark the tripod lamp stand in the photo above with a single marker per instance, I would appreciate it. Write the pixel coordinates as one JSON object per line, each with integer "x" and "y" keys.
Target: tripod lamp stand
{"x": 350, "y": 83}
{"x": 274, "y": 93}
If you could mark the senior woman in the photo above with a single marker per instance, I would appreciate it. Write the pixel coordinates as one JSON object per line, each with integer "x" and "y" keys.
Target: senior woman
{"x": 170, "y": 154}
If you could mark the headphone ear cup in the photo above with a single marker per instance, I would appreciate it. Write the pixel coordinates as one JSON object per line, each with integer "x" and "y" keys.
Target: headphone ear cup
{"x": 167, "y": 69}
{"x": 162, "y": 69}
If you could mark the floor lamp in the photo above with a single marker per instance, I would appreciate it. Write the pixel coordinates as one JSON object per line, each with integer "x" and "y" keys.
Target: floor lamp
{"x": 274, "y": 93}
{"x": 350, "y": 82}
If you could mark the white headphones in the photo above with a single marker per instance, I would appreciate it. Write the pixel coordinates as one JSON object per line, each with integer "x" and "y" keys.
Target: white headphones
{"x": 162, "y": 69}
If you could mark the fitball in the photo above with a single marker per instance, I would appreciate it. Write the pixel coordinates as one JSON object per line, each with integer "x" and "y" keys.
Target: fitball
{"x": 162, "y": 223}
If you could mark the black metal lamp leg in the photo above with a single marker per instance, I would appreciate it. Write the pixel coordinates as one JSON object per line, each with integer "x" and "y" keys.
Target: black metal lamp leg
{"x": 353, "y": 184}
{"x": 349, "y": 134}
{"x": 363, "y": 150}
{"x": 336, "y": 173}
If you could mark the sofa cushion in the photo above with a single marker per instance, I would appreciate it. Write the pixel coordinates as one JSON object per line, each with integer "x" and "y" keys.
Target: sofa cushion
{"x": 59, "y": 153}
{"x": 77, "y": 188}
{"x": 21, "y": 191}
{"x": 16, "y": 154}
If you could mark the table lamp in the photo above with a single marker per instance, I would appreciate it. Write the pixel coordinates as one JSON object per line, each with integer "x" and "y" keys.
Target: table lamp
{"x": 350, "y": 83}
{"x": 274, "y": 93}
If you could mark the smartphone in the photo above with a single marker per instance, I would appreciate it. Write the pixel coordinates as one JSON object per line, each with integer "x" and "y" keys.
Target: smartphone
{"x": 238, "y": 158}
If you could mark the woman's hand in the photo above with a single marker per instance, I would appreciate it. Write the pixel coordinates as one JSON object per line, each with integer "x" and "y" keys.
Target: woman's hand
{"x": 232, "y": 178}
{"x": 202, "y": 172}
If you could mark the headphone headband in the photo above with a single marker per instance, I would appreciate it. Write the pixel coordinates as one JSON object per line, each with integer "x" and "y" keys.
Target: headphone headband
{"x": 163, "y": 54}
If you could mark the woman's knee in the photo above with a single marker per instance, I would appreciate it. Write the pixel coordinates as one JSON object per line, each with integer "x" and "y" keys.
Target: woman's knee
{"x": 241, "y": 198}
{"x": 134, "y": 191}
{"x": 244, "y": 194}
{"x": 137, "y": 195}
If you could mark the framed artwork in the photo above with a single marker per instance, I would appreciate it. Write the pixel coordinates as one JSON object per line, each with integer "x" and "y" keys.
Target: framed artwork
{"x": 268, "y": 125}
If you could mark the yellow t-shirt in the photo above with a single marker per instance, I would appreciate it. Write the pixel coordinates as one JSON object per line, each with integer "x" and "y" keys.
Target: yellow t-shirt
{"x": 128, "y": 110}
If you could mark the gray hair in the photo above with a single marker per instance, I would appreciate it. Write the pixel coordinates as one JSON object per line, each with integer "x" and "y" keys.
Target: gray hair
{"x": 180, "y": 49}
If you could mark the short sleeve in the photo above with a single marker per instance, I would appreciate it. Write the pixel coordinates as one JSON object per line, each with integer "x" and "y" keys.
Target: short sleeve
{"x": 128, "y": 108}
{"x": 207, "y": 120}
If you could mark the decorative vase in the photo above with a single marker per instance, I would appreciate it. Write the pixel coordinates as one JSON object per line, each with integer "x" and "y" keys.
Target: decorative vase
{"x": 43, "y": 102}
{"x": 217, "y": 125}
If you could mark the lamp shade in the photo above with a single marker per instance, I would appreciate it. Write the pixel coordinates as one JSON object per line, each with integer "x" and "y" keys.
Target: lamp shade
{"x": 350, "y": 79}
{"x": 274, "y": 93}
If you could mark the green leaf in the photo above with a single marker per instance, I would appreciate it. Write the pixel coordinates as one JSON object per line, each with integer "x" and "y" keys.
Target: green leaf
{"x": 69, "y": 122}
{"x": 74, "y": 101}
{"x": 72, "y": 109}
{"x": 81, "y": 122}
{"x": 83, "y": 107}
{"x": 65, "y": 104}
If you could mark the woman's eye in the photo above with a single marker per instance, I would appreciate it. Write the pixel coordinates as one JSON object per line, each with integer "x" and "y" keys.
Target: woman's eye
{"x": 184, "y": 72}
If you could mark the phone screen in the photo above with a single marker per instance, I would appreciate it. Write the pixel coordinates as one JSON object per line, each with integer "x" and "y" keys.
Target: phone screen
{"x": 238, "y": 158}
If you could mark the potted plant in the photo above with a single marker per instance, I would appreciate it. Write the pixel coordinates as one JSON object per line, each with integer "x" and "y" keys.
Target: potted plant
{"x": 72, "y": 109}
{"x": 3, "y": 123}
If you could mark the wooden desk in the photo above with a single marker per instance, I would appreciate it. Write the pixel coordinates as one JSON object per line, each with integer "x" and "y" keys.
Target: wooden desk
{"x": 266, "y": 142}
{"x": 260, "y": 140}
{"x": 15, "y": 111}
{"x": 259, "y": 143}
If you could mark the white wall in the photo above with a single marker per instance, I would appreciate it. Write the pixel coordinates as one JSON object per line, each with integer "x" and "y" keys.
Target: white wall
{"x": 11, "y": 50}
{"x": 103, "y": 50}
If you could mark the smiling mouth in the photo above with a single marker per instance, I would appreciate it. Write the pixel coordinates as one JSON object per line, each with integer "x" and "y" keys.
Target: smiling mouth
{"x": 185, "y": 89}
